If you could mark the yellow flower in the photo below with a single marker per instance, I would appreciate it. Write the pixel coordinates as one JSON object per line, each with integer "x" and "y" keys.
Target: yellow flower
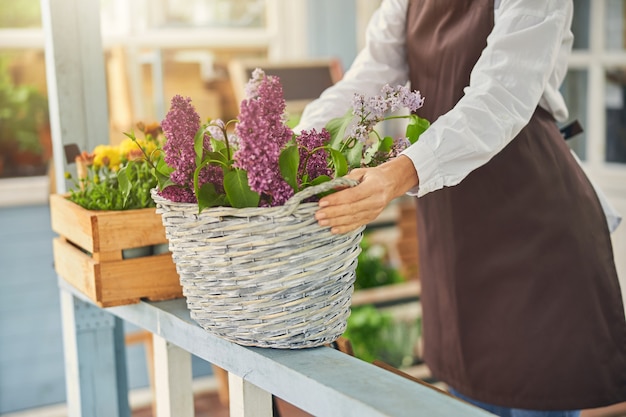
{"x": 130, "y": 150}
{"x": 107, "y": 155}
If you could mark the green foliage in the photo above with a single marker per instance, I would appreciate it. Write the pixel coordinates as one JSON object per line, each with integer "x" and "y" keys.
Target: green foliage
{"x": 104, "y": 189}
{"x": 23, "y": 112}
{"x": 373, "y": 332}
{"x": 288, "y": 162}
{"x": 237, "y": 189}
{"x": 366, "y": 327}
{"x": 372, "y": 270}
{"x": 127, "y": 185}
{"x": 416, "y": 127}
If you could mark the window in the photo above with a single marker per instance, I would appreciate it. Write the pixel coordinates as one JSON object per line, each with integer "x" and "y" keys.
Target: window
{"x": 143, "y": 40}
{"x": 595, "y": 91}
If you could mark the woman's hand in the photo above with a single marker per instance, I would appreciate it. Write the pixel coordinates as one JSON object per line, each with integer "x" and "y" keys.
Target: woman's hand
{"x": 348, "y": 209}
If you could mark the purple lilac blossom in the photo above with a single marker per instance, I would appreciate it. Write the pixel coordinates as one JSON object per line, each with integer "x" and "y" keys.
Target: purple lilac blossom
{"x": 317, "y": 163}
{"x": 180, "y": 126}
{"x": 262, "y": 134}
{"x": 178, "y": 194}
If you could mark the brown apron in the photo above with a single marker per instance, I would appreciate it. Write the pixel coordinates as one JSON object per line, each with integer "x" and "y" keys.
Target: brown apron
{"x": 522, "y": 306}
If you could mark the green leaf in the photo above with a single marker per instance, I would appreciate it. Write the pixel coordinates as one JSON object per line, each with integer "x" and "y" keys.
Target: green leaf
{"x": 288, "y": 162}
{"x": 337, "y": 129}
{"x": 320, "y": 180}
{"x": 198, "y": 145}
{"x": 162, "y": 173}
{"x": 370, "y": 152}
{"x": 238, "y": 191}
{"x": 217, "y": 145}
{"x": 131, "y": 135}
{"x": 386, "y": 144}
{"x": 338, "y": 160}
{"x": 209, "y": 197}
{"x": 417, "y": 125}
{"x": 217, "y": 158}
{"x": 354, "y": 155}
{"x": 124, "y": 183}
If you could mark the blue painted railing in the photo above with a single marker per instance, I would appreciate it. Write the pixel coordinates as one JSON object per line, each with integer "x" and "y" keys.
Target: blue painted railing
{"x": 321, "y": 381}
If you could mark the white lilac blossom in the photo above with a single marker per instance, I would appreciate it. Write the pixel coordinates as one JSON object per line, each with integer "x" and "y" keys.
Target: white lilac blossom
{"x": 368, "y": 112}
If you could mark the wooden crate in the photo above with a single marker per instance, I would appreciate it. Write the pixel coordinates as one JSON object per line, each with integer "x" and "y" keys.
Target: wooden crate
{"x": 88, "y": 254}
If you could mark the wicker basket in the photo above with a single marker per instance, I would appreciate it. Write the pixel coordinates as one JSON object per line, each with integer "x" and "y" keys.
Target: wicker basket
{"x": 268, "y": 277}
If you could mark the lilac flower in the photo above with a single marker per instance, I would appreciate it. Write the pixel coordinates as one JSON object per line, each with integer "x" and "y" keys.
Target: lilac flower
{"x": 399, "y": 144}
{"x": 252, "y": 86}
{"x": 316, "y": 160}
{"x": 369, "y": 111}
{"x": 412, "y": 100}
{"x": 180, "y": 126}
{"x": 216, "y": 129}
{"x": 262, "y": 134}
{"x": 178, "y": 194}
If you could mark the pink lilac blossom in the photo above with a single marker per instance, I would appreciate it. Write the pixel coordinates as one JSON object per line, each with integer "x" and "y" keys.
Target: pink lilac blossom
{"x": 180, "y": 126}
{"x": 262, "y": 134}
{"x": 316, "y": 160}
{"x": 178, "y": 194}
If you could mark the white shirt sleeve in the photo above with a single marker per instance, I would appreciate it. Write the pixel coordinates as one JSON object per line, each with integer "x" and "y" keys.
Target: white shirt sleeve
{"x": 382, "y": 61}
{"x": 522, "y": 66}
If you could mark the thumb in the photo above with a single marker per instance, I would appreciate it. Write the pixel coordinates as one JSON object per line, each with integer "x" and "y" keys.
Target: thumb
{"x": 357, "y": 174}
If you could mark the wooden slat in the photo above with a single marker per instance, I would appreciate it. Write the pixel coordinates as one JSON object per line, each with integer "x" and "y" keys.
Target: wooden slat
{"x": 72, "y": 221}
{"x": 89, "y": 253}
{"x": 117, "y": 282}
{"x": 74, "y": 266}
{"x": 387, "y": 293}
{"x": 105, "y": 231}
{"x": 129, "y": 229}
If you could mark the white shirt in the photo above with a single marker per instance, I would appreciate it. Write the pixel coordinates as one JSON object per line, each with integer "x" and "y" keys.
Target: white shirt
{"x": 522, "y": 66}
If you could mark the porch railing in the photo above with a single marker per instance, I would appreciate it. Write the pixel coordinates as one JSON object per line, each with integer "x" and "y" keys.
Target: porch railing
{"x": 321, "y": 381}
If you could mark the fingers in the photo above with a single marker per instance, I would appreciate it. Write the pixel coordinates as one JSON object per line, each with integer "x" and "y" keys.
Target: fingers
{"x": 351, "y": 208}
{"x": 348, "y": 209}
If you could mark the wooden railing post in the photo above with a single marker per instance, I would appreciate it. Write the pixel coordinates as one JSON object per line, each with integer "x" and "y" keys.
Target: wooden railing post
{"x": 248, "y": 400}
{"x": 172, "y": 375}
{"x": 95, "y": 361}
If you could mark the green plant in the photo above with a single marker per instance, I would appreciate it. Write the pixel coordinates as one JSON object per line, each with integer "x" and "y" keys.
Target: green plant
{"x": 118, "y": 177}
{"x": 105, "y": 189}
{"x": 365, "y": 330}
{"x": 372, "y": 269}
{"x": 23, "y": 113}
{"x": 373, "y": 332}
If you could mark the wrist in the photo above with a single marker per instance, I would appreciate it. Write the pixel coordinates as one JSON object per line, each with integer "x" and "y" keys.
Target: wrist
{"x": 401, "y": 174}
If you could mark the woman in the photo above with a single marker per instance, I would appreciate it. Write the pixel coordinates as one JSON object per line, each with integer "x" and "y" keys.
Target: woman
{"x": 522, "y": 306}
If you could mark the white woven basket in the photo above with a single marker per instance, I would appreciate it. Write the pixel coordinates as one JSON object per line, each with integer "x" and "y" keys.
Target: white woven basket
{"x": 268, "y": 277}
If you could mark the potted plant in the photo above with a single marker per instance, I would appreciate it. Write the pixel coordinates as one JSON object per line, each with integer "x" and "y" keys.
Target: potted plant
{"x": 24, "y": 126}
{"x": 237, "y": 200}
{"x": 112, "y": 244}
